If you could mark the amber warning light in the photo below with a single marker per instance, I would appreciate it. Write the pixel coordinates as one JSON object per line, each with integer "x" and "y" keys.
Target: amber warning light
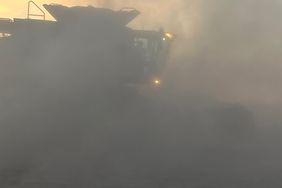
{"x": 157, "y": 82}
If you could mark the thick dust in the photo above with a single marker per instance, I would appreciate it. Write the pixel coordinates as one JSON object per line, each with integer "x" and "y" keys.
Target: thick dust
{"x": 215, "y": 122}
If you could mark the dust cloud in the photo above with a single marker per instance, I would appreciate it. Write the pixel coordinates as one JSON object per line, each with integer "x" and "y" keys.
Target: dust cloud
{"x": 66, "y": 122}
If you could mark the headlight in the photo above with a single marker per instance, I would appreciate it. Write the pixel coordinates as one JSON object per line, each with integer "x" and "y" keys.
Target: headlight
{"x": 157, "y": 82}
{"x": 169, "y": 35}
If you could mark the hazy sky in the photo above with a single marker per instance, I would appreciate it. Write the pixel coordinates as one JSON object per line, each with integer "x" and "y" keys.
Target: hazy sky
{"x": 15, "y": 8}
{"x": 163, "y": 15}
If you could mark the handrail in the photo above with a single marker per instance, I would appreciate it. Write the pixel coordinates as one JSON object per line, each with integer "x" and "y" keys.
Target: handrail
{"x": 36, "y": 15}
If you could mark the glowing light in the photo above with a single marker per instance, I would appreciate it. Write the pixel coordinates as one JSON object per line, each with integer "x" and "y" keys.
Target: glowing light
{"x": 157, "y": 82}
{"x": 3, "y": 35}
{"x": 169, "y": 35}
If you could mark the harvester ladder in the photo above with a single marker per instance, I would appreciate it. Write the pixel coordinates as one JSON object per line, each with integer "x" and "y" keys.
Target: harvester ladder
{"x": 29, "y": 14}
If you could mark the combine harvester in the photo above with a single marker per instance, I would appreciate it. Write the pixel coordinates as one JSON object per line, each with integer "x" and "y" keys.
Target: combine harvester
{"x": 84, "y": 36}
{"x": 144, "y": 53}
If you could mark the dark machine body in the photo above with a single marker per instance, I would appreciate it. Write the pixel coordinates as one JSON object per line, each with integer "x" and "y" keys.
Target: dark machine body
{"x": 143, "y": 53}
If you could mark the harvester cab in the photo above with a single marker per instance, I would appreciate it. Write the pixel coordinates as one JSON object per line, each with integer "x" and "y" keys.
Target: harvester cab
{"x": 155, "y": 48}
